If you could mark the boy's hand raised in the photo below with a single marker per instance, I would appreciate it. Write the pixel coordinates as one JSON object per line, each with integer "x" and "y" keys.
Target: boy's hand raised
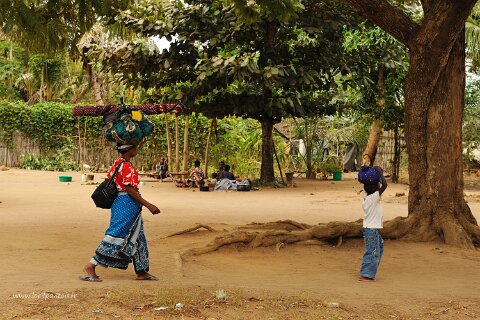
{"x": 378, "y": 169}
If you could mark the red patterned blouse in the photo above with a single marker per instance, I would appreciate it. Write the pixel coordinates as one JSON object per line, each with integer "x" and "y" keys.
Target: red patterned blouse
{"x": 127, "y": 175}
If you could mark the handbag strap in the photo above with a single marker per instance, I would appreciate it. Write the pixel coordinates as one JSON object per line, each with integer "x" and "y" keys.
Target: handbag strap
{"x": 112, "y": 178}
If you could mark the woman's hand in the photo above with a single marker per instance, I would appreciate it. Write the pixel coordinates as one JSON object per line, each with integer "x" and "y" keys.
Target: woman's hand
{"x": 138, "y": 198}
{"x": 153, "y": 209}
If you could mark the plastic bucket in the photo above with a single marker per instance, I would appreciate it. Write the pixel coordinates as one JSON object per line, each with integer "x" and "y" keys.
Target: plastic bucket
{"x": 337, "y": 176}
{"x": 65, "y": 178}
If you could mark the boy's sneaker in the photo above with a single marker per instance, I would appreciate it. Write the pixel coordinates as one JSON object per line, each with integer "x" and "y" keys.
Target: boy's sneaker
{"x": 366, "y": 279}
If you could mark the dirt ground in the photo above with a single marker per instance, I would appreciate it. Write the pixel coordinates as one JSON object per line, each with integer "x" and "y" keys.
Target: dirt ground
{"x": 49, "y": 230}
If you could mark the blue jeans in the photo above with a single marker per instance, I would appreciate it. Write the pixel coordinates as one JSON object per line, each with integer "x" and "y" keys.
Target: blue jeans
{"x": 373, "y": 252}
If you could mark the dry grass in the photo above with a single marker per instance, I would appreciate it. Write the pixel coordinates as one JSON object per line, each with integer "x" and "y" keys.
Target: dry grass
{"x": 202, "y": 303}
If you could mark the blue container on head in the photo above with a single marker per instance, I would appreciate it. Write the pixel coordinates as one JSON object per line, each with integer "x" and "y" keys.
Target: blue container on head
{"x": 368, "y": 175}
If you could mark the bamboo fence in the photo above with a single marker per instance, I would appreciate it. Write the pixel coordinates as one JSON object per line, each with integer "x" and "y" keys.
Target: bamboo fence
{"x": 98, "y": 153}
{"x": 386, "y": 150}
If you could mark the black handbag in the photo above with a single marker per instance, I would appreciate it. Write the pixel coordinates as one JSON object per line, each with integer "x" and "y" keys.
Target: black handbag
{"x": 106, "y": 192}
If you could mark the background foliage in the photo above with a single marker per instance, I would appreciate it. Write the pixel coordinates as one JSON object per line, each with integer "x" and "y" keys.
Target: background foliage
{"x": 258, "y": 59}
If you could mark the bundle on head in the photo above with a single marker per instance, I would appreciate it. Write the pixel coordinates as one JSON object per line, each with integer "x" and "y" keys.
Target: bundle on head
{"x": 368, "y": 175}
{"x": 128, "y": 127}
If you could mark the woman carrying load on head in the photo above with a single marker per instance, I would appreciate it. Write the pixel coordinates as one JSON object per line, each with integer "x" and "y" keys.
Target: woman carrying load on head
{"x": 124, "y": 240}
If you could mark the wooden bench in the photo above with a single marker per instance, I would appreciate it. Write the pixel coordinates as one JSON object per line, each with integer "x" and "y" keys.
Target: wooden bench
{"x": 149, "y": 174}
{"x": 179, "y": 175}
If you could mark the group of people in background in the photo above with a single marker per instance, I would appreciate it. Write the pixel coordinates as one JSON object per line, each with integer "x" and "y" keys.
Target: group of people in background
{"x": 196, "y": 176}
{"x": 224, "y": 172}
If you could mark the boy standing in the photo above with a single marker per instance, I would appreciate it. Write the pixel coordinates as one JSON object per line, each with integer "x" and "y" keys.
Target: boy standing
{"x": 372, "y": 221}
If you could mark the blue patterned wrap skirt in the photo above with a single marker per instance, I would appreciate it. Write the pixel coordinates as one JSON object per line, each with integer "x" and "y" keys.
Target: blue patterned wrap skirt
{"x": 124, "y": 240}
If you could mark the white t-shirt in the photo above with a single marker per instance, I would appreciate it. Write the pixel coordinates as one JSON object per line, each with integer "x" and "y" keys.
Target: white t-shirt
{"x": 373, "y": 211}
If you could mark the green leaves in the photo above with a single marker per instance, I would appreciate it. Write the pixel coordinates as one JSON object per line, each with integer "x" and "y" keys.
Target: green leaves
{"x": 254, "y": 11}
{"x": 249, "y": 58}
{"x": 53, "y": 26}
{"x": 45, "y": 123}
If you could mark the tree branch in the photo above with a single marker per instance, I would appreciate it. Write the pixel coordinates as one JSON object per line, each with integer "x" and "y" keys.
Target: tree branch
{"x": 443, "y": 21}
{"x": 392, "y": 20}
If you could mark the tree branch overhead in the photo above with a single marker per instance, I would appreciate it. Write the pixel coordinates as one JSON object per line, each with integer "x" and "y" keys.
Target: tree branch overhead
{"x": 391, "y": 19}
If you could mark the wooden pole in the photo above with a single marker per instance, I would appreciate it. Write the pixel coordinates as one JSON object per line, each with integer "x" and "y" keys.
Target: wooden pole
{"x": 213, "y": 124}
{"x": 85, "y": 143}
{"x": 177, "y": 145}
{"x": 278, "y": 162}
{"x": 169, "y": 143}
{"x": 185, "y": 145}
{"x": 79, "y": 146}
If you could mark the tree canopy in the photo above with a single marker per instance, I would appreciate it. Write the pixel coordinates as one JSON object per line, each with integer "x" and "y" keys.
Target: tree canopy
{"x": 261, "y": 60}
{"x": 48, "y": 26}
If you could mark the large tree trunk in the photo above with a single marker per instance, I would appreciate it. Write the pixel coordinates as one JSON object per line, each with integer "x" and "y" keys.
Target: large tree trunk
{"x": 94, "y": 83}
{"x": 373, "y": 139}
{"x": 433, "y": 123}
{"x": 96, "y": 86}
{"x": 434, "y": 102}
{"x": 266, "y": 172}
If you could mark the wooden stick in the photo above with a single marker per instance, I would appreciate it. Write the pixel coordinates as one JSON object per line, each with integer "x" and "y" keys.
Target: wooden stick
{"x": 198, "y": 226}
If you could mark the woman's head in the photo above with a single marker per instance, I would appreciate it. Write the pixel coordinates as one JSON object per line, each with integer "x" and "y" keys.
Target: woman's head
{"x": 129, "y": 150}
{"x": 197, "y": 163}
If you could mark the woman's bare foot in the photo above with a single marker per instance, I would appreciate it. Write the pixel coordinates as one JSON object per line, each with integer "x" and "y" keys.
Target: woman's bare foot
{"x": 89, "y": 269}
{"x": 146, "y": 276}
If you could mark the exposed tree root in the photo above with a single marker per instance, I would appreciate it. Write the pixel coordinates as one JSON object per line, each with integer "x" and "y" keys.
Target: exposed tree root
{"x": 416, "y": 227}
{"x": 194, "y": 228}
{"x": 178, "y": 265}
{"x": 228, "y": 239}
{"x": 288, "y": 225}
{"x": 279, "y": 238}
{"x": 453, "y": 231}
{"x": 339, "y": 242}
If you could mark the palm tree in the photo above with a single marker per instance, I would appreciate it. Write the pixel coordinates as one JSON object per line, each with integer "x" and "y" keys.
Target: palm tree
{"x": 52, "y": 26}
{"x": 472, "y": 36}
{"x": 56, "y": 26}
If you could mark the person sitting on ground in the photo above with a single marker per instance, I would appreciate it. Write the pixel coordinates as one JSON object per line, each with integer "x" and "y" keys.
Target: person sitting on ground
{"x": 162, "y": 168}
{"x": 196, "y": 174}
{"x": 225, "y": 173}
{"x": 214, "y": 178}
{"x": 229, "y": 175}
{"x": 221, "y": 168}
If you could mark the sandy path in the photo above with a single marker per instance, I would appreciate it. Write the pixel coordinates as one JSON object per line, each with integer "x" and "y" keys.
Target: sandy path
{"x": 50, "y": 229}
